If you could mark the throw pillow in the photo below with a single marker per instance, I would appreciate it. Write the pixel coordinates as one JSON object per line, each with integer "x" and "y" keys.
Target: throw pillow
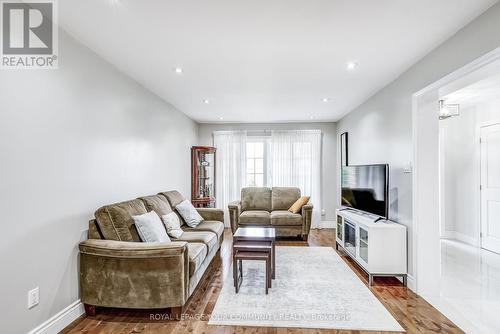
{"x": 297, "y": 206}
{"x": 189, "y": 213}
{"x": 173, "y": 225}
{"x": 150, "y": 228}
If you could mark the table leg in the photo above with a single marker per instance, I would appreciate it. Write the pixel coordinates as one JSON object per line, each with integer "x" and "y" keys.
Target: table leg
{"x": 273, "y": 255}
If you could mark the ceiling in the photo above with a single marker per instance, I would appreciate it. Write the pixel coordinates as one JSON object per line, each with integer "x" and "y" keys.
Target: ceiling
{"x": 262, "y": 60}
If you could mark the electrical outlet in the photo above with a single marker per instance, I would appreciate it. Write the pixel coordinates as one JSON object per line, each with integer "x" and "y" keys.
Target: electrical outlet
{"x": 33, "y": 297}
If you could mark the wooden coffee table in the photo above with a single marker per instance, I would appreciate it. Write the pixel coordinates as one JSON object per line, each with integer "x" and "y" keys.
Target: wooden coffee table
{"x": 258, "y": 235}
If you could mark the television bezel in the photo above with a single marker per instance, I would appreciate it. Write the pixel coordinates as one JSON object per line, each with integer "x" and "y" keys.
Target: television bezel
{"x": 386, "y": 199}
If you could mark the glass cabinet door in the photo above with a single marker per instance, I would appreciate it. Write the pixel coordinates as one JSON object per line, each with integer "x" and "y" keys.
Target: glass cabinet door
{"x": 203, "y": 176}
{"x": 363, "y": 244}
{"x": 339, "y": 228}
{"x": 205, "y": 165}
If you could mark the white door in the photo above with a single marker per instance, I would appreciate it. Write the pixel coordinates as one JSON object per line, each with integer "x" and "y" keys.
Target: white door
{"x": 490, "y": 187}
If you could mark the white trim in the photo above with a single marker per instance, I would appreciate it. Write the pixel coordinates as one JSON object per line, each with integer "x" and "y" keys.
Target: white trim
{"x": 61, "y": 320}
{"x": 475, "y": 65}
{"x": 466, "y": 239}
{"x": 328, "y": 224}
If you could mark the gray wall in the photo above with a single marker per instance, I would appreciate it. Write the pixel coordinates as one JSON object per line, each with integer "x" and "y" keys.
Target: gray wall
{"x": 380, "y": 130}
{"x": 72, "y": 140}
{"x": 329, "y": 169}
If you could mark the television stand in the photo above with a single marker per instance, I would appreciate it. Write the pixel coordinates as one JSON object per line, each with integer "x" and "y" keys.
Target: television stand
{"x": 379, "y": 248}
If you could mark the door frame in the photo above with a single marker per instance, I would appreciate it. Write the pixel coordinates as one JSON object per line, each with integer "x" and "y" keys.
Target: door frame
{"x": 480, "y": 232}
{"x": 424, "y": 233}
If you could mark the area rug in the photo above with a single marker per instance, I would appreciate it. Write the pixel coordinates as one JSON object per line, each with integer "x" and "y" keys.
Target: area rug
{"x": 314, "y": 288}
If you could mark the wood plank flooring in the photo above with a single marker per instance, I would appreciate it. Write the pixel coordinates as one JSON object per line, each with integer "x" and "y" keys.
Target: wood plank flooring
{"x": 413, "y": 313}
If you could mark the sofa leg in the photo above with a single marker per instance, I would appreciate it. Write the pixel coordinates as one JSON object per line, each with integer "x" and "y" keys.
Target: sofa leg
{"x": 176, "y": 313}
{"x": 89, "y": 310}
{"x": 305, "y": 236}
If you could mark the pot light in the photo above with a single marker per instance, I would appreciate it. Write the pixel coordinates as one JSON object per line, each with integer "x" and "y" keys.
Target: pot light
{"x": 351, "y": 65}
{"x": 326, "y": 100}
{"x": 221, "y": 118}
{"x": 206, "y": 101}
{"x": 178, "y": 70}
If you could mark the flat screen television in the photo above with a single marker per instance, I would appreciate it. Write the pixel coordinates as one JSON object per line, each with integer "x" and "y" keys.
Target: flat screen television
{"x": 366, "y": 188}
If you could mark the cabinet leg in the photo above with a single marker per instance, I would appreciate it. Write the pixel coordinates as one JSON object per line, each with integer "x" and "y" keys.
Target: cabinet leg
{"x": 89, "y": 310}
{"x": 405, "y": 280}
{"x": 370, "y": 280}
{"x": 176, "y": 313}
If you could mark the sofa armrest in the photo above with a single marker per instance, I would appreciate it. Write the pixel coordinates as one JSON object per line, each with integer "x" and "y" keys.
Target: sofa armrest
{"x": 234, "y": 214}
{"x": 306, "y": 218}
{"x": 211, "y": 214}
{"x": 134, "y": 274}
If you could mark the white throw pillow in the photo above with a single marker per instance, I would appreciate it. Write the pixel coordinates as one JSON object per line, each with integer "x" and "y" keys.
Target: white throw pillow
{"x": 173, "y": 225}
{"x": 189, "y": 213}
{"x": 150, "y": 227}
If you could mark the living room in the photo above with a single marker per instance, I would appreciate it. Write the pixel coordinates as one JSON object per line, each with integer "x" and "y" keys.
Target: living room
{"x": 231, "y": 166}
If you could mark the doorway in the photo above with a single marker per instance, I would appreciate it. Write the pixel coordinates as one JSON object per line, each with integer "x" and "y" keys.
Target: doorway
{"x": 455, "y": 214}
{"x": 490, "y": 186}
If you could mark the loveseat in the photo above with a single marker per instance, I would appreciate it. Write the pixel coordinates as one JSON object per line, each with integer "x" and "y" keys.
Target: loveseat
{"x": 118, "y": 270}
{"x": 262, "y": 206}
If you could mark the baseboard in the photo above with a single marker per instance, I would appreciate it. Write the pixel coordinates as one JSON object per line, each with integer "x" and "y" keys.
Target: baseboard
{"x": 61, "y": 320}
{"x": 460, "y": 237}
{"x": 327, "y": 224}
{"x": 410, "y": 283}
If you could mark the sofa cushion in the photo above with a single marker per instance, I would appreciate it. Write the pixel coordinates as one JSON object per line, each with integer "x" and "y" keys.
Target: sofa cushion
{"x": 172, "y": 224}
{"x": 207, "y": 238}
{"x": 173, "y": 198}
{"x": 208, "y": 225}
{"x": 197, "y": 252}
{"x": 157, "y": 203}
{"x": 255, "y": 218}
{"x": 256, "y": 198}
{"x": 284, "y": 197}
{"x": 115, "y": 221}
{"x": 285, "y": 218}
{"x": 150, "y": 227}
{"x": 189, "y": 213}
{"x": 297, "y": 206}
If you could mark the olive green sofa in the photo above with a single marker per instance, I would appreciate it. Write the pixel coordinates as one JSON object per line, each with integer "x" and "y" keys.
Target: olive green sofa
{"x": 118, "y": 270}
{"x": 262, "y": 206}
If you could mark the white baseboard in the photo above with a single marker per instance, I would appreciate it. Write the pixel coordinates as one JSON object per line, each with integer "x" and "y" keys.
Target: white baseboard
{"x": 460, "y": 237}
{"x": 327, "y": 224}
{"x": 61, "y": 320}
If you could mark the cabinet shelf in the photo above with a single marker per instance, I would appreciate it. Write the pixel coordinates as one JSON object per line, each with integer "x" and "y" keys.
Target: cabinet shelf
{"x": 203, "y": 176}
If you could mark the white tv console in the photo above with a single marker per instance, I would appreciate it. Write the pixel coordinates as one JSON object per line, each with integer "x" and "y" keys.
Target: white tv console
{"x": 379, "y": 247}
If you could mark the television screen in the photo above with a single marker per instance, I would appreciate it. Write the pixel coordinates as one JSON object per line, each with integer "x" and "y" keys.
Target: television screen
{"x": 365, "y": 188}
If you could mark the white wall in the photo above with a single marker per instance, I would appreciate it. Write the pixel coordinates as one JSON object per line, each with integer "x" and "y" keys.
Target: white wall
{"x": 380, "y": 130}
{"x": 459, "y": 169}
{"x": 329, "y": 169}
{"x": 71, "y": 140}
{"x": 460, "y": 155}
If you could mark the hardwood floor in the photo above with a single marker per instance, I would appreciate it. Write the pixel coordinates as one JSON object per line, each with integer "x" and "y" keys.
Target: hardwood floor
{"x": 413, "y": 313}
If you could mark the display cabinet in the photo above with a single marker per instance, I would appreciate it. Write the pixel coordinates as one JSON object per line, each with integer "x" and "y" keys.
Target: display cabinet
{"x": 203, "y": 176}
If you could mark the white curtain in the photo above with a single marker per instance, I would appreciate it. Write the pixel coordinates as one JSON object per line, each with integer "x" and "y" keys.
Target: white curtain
{"x": 295, "y": 161}
{"x": 230, "y": 168}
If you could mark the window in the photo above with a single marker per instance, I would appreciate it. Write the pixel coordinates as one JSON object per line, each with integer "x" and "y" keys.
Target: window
{"x": 255, "y": 163}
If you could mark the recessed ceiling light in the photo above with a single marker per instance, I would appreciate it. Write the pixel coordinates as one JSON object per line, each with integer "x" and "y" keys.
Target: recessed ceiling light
{"x": 221, "y": 118}
{"x": 178, "y": 70}
{"x": 206, "y": 101}
{"x": 311, "y": 117}
{"x": 326, "y": 100}
{"x": 352, "y": 65}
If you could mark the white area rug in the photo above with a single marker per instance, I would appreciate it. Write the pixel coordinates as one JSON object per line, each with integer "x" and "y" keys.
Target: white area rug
{"x": 314, "y": 288}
